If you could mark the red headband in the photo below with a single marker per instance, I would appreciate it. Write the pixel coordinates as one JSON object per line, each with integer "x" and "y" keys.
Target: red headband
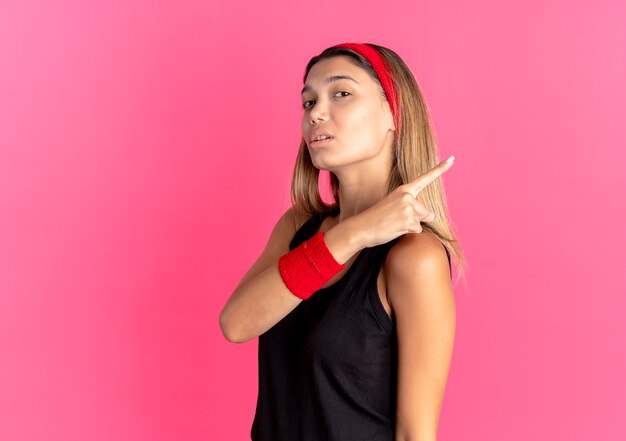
{"x": 374, "y": 58}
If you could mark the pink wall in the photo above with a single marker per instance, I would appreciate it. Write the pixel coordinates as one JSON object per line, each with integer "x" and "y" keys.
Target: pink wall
{"x": 132, "y": 202}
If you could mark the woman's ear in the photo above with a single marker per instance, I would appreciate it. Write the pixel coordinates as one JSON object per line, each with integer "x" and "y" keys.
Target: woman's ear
{"x": 392, "y": 123}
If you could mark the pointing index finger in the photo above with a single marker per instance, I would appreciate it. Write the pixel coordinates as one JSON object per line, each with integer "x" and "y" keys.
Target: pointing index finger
{"x": 426, "y": 178}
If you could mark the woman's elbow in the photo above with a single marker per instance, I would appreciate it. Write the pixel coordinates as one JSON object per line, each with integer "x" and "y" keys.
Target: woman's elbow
{"x": 227, "y": 332}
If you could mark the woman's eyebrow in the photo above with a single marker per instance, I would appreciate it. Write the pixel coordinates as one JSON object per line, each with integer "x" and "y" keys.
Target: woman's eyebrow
{"x": 330, "y": 80}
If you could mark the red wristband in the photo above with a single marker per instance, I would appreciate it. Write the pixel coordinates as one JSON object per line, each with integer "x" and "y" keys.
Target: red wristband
{"x": 308, "y": 267}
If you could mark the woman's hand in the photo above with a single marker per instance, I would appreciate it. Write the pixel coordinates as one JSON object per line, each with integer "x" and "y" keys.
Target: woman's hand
{"x": 399, "y": 212}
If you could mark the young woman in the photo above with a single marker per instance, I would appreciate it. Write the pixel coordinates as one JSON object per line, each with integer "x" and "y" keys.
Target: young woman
{"x": 353, "y": 302}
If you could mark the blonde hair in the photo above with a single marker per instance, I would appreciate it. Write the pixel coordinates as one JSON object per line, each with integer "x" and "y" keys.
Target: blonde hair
{"x": 414, "y": 151}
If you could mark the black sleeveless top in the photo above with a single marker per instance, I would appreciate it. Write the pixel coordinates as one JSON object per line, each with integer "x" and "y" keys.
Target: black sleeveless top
{"x": 328, "y": 369}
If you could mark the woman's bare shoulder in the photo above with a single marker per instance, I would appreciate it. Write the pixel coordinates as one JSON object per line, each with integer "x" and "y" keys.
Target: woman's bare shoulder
{"x": 419, "y": 248}
{"x": 295, "y": 218}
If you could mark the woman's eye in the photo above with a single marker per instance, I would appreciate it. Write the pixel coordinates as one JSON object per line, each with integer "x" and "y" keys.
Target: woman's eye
{"x": 304, "y": 104}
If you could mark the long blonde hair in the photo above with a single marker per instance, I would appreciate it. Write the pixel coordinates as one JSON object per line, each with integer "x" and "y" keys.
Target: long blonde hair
{"x": 415, "y": 152}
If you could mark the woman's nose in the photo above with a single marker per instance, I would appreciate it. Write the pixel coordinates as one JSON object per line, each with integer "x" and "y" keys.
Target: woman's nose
{"x": 319, "y": 111}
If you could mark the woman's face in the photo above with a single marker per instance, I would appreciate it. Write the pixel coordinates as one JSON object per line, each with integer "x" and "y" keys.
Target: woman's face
{"x": 351, "y": 110}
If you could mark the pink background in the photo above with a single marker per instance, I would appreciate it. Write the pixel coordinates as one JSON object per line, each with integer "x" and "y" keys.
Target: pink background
{"x": 146, "y": 150}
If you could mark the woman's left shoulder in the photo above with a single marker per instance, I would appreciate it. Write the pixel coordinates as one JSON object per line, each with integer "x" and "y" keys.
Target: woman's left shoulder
{"x": 422, "y": 249}
{"x": 418, "y": 255}
{"x": 417, "y": 270}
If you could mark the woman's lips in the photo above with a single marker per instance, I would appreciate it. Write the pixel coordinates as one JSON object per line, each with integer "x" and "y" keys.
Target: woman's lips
{"x": 321, "y": 143}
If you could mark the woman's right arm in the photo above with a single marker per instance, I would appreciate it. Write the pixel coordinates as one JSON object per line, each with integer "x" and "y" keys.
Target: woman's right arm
{"x": 262, "y": 299}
